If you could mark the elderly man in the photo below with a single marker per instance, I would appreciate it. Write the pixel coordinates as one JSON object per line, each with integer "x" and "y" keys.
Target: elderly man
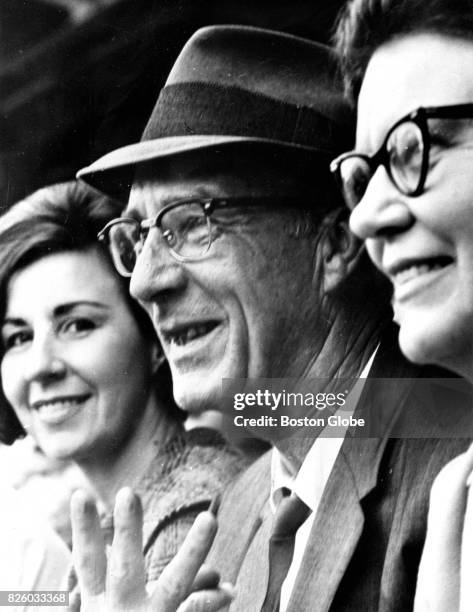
{"x": 238, "y": 247}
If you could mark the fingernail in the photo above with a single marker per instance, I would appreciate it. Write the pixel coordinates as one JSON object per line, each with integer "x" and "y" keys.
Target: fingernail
{"x": 125, "y": 498}
{"x": 206, "y": 521}
{"x": 214, "y": 505}
{"x": 82, "y": 502}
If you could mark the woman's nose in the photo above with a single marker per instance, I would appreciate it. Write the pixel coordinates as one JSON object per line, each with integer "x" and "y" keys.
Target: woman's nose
{"x": 44, "y": 362}
{"x": 383, "y": 210}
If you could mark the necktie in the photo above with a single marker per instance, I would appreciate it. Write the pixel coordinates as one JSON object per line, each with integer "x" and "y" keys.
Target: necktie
{"x": 290, "y": 515}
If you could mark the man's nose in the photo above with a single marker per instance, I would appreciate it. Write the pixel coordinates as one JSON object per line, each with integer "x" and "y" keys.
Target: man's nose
{"x": 383, "y": 210}
{"x": 157, "y": 273}
{"x": 44, "y": 362}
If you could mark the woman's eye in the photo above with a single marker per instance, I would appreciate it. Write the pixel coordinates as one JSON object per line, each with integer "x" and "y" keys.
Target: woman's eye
{"x": 78, "y": 326}
{"x": 439, "y": 142}
{"x": 16, "y": 339}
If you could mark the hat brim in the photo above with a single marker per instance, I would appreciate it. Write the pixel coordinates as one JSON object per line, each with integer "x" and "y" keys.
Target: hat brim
{"x": 113, "y": 173}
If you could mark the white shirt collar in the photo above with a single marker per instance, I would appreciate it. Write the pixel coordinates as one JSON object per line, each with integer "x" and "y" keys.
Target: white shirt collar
{"x": 310, "y": 481}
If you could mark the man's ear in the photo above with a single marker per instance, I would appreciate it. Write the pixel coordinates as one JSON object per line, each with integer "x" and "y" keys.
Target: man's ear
{"x": 341, "y": 252}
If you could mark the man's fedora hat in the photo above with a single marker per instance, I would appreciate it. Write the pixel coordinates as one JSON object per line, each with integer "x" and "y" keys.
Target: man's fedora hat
{"x": 235, "y": 86}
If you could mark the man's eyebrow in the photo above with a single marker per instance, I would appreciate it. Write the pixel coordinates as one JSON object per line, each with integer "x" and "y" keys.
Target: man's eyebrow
{"x": 132, "y": 213}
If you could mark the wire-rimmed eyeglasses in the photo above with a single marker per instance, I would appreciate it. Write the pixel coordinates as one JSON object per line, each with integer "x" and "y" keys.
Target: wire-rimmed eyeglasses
{"x": 404, "y": 153}
{"x": 185, "y": 226}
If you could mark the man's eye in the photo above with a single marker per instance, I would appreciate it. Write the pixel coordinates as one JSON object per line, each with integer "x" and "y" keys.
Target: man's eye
{"x": 16, "y": 339}
{"x": 195, "y": 227}
{"x": 187, "y": 223}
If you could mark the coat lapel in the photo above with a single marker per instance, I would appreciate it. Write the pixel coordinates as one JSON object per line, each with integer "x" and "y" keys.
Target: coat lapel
{"x": 254, "y": 572}
{"x": 236, "y": 533}
{"x": 337, "y": 528}
{"x": 339, "y": 521}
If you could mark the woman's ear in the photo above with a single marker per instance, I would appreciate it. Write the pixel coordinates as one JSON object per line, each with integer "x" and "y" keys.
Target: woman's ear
{"x": 341, "y": 252}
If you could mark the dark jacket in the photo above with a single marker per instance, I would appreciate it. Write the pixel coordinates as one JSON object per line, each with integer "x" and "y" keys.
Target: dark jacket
{"x": 366, "y": 541}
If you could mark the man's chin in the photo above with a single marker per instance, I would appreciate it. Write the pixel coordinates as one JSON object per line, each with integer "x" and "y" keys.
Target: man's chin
{"x": 210, "y": 419}
{"x": 196, "y": 393}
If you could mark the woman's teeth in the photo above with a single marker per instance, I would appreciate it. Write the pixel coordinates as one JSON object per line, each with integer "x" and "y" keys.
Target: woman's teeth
{"x": 58, "y": 403}
{"x": 414, "y": 270}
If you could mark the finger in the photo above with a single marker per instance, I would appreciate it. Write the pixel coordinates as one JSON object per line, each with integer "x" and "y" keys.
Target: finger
{"x": 449, "y": 492}
{"x": 439, "y": 572}
{"x": 88, "y": 547}
{"x": 207, "y": 578}
{"x": 448, "y": 503}
{"x": 175, "y": 582}
{"x": 209, "y": 600}
{"x": 466, "y": 590}
{"x": 74, "y": 602}
{"x": 126, "y": 564}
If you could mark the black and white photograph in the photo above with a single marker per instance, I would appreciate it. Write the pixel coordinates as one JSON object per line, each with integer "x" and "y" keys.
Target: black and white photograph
{"x": 236, "y": 306}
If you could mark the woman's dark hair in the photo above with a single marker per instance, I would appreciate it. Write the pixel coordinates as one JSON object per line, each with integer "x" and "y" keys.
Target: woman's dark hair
{"x": 55, "y": 219}
{"x": 365, "y": 25}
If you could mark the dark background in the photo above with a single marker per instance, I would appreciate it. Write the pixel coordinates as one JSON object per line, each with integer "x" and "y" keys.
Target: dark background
{"x": 79, "y": 78}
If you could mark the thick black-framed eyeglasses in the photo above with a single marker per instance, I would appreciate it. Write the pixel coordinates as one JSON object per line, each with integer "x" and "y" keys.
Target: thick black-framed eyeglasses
{"x": 185, "y": 226}
{"x": 404, "y": 153}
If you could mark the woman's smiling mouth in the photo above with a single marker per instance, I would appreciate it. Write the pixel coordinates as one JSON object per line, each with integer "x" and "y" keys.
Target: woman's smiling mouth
{"x": 411, "y": 276}
{"x": 409, "y": 269}
{"x": 55, "y": 410}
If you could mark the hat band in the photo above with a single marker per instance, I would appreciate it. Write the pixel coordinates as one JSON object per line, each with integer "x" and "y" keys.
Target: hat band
{"x": 188, "y": 109}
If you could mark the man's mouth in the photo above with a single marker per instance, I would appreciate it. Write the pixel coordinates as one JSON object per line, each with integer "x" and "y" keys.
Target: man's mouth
{"x": 182, "y": 335}
{"x": 409, "y": 269}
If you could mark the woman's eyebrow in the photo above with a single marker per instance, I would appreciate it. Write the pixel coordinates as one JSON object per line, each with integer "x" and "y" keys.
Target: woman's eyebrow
{"x": 13, "y": 321}
{"x": 64, "y": 309}
{"x": 59, "y": 311}
{"x": 449, "y": 127}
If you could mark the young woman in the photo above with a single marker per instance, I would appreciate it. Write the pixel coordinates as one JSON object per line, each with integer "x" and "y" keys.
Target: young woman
{"x": 82, "y": 371}
{"x": 409, "y": 183}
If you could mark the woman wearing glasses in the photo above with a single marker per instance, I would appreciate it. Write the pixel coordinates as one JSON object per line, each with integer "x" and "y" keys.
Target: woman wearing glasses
{"x": 82, "y": 371}
{"x": 409, "y": 183}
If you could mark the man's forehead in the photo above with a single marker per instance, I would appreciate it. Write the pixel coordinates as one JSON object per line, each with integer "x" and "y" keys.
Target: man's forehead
{"x": 156, "y": 185}
{"x": 206, "y": 177}
{"x": 148, "y": 196}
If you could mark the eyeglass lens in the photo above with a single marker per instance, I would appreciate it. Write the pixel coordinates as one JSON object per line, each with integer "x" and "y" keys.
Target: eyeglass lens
{"x": 125, "y": 245}
{"x": 355, "y": 174}
{"x": 405, "y": 148}
{"x": 404, "y": 156}
{"x": 185, "y": 229}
